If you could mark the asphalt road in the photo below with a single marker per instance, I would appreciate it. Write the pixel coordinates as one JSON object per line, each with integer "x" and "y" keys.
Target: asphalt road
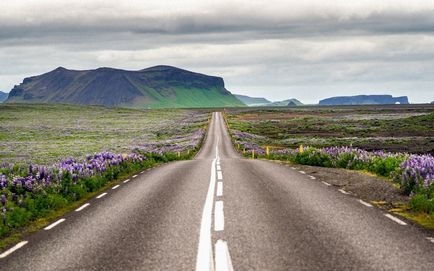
{"x": 222, "y": 212}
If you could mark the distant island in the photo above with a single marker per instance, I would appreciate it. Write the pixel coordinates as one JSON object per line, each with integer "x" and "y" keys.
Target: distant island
{"x": 3, "y": 96}
{"x": 364, "y": 99}
{"x": 155, "y": 87}
{"x": 259, "y": 101}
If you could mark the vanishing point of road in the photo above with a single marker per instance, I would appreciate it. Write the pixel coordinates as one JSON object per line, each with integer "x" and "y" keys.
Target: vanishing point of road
{"x": 222, "y": 212}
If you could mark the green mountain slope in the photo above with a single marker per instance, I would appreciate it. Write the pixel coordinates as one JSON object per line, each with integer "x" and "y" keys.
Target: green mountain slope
{"x": 155, "y": 87}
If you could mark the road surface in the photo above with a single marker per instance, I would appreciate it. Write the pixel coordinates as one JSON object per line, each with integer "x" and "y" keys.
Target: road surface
{"x": 222, "y": 212}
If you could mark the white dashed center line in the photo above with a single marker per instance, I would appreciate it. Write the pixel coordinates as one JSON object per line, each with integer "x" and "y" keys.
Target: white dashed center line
{"x": 82, "y": 207}
{"x": 102, "y": 195}
{"x": 219, "y": 218}
{"x": 431, "y": 239}
{"x": 134, "y": 176}
{"x": 397, "y": 220}
{"x": 302, "y": 172}
{"x": 142, "y": 172}
{"x": 116, "y": 186}
{"x": 219, "y": 189}
{"x": 312, "y": 177}
{"x": 12, "y": 249}
{"x": 218, "y": 167}
{"x": 219, "y": 175}
{"x": 127, "y": 180}
{"x": 326, "y": 183}
{"x": 54, "y": 224}
{"x": 365, "y": 203}
{"x": 222, "y": 258}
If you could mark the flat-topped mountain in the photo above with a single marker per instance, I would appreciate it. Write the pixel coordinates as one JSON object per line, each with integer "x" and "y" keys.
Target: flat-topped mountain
{"x": 364, "y": 99}
{"x": 3, "y": 96}
{"x": 155, "y": 87}
{"x": 252, "y": 101}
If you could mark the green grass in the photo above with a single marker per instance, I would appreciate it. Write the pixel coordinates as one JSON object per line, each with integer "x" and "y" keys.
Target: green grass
{"x": 43, "y": 134}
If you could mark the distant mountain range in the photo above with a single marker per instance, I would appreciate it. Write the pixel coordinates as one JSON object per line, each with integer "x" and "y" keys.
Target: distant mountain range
{"x": 155, "y": 87}
{"x": 252, "y": 101}
{"x": 259, "y": 101}
{"x": 364, "y": 99}
{"x": 3, "y": 96}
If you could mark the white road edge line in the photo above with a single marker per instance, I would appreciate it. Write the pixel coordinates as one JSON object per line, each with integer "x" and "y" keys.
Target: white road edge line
{"x": 223, "y": 260}
{"x": 397, "y": 220}
{"x": 302, "y": 172}
{"x": 134, "y": 176}
{"x": 116, "y": 186}
{"x": 12, "y": 249}
{"x": 219, "y": 189}
{"x": 326, "y": 183}
{"x": 54, "y": 224}
{"x": 205, "y": 258}
{"x": 293, "y": 168}
{"x": 127, "y": 180}
{"x": 365, "y": 203}
{"x": 343, "y": 191}
{"x": 219, "y": 175}
{"x": 219, "y": 167}
{"x": 142, "y": 172}
{"x": 430, "y": 239}
{"x": 312, "y": 177}
{"x": 82, "y": 207}
{"x": 102, "y": 195}
{"x": 219, "y": 217}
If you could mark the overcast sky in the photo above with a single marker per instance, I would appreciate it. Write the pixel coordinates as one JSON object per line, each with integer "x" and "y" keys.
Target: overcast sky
{"x": 300, "y": 49}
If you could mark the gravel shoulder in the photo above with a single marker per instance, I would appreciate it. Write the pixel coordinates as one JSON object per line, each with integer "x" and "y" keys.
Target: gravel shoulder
{"x": 376, "y": 190}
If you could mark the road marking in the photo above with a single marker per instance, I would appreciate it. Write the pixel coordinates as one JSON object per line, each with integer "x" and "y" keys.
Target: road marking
{"x": 365, "y": 203}
{"x": 302, "y": 172}
{"x": 204, "y": 259}
{"x": 397, "y": 220}
{"x": 326, "y": 183}
{"x": 134, "y": 176}
{"x": 116, "y": 186}
{"x": 127, "y": 180}
{"x": 293, "y": 168}
{"x": 343, "y": 191}
{"x": 12, "y": 249}
{"x": 82, "y": 207}
{"x": 430, "y": 239}
{"x": 142, "y": 172}
{"x": 219, "y": 218}
{"x": 312, "y": 177}
{"x": 218, "y": 167}
{"x": 54, "y": 224}
{"x": 222, "y": 257}
{"x": 219, "y": 175}
{"x": 219, "y": 189}
{"x": 102, "y": 195}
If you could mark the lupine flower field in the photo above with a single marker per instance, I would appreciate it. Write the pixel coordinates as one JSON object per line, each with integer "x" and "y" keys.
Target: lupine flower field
{"x": 412, "y": 172}
{"x": 52, "y": 156}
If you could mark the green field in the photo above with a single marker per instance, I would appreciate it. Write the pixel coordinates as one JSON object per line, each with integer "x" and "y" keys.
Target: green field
{"x": 393, "y": 128}
{"x": 44, "y": 134}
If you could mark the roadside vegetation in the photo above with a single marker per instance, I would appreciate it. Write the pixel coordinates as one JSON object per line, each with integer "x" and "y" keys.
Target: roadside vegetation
{"x": 49, "y": 160}
{"x": 379, "y": 140}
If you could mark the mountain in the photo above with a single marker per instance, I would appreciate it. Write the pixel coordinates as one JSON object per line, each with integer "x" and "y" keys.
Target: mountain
{"x": 3, "y": 96}
{"x": 289, "y": 102}
{"x": 364, "y": 99}
{"x": 252, "y": 101}
{"x": 155, "y": 87}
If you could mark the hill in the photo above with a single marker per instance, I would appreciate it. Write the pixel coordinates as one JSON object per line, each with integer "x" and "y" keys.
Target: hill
{"x": 289, "y": 102}
{"x": 252, "y": 101}
{"x": 3, "y": 96}
{"x": 155, "y": 87}
{"x": 364, "y": 99}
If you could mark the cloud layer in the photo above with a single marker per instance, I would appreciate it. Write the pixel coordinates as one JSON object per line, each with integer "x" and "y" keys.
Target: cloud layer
{"x": 276, "y": 49}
